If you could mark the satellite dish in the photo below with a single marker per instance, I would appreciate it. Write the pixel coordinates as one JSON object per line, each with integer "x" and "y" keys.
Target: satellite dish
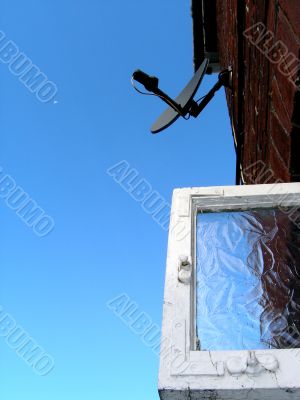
{"x": 184, "y": 104}
{"x": 184, "y": 100}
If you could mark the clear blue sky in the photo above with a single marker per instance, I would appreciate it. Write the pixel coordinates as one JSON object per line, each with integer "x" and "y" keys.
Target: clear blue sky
{"x": 103, "y": 243}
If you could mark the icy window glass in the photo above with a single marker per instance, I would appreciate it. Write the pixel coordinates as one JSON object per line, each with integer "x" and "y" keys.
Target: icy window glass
{"x": 248, "y": 280}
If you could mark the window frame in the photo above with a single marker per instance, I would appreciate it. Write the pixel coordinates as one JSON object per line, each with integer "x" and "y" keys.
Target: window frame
{"x": 184, "y": 370}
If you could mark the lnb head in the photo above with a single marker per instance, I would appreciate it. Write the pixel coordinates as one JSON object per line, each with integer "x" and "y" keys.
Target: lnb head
{"x": 150, "y": 82}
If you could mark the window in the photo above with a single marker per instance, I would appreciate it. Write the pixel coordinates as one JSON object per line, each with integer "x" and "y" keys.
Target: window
{"x": 248, "y": 280}
{"x": 232, "y": 296}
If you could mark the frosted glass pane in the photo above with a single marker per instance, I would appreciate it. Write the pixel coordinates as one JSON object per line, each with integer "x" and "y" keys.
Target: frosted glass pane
{"x": 248, "y": 280}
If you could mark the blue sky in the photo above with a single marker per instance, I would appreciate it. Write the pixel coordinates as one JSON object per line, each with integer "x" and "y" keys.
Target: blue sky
{"x": 103, "y": 244}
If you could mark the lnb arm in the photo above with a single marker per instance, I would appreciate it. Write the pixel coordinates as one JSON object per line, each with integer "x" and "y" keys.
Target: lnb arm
{"x": 151, "y": 84}
{"x": 224, "y": 80}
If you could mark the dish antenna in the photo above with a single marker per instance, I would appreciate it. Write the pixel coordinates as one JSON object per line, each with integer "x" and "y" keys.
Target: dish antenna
{"x": 184, "y": 105}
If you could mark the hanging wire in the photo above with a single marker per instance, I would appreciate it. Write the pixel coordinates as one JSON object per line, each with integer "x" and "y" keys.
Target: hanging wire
{"x": 201, "y": 98}
{"x": 186, "y": 117}
{"x": 139, "y": 91}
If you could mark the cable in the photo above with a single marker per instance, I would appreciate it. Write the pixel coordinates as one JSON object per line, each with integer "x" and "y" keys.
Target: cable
{"x": 161, "y": 97}
{"x": 139, "y": 91}
{"x": 197, "y": 101}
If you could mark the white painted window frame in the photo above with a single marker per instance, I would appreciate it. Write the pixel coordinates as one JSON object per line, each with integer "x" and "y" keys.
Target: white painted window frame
{"x": 185, "y": 372}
